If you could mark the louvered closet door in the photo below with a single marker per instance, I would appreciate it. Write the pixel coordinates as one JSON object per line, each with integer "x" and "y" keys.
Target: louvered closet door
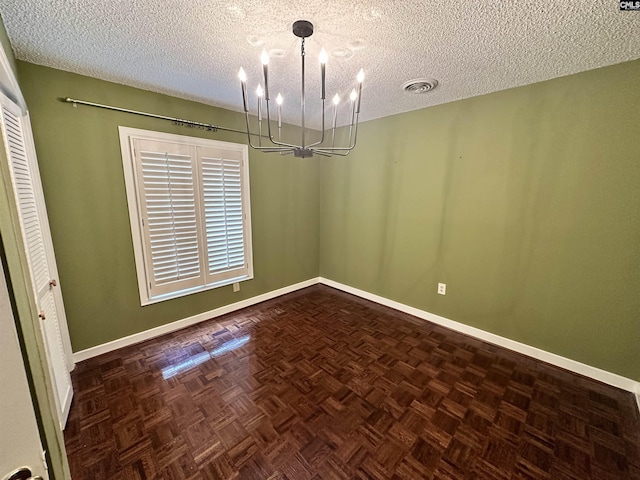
{"x": 220, "y": 174}
{"x": 168, "y": 200}
{"x": 31, "y": 209}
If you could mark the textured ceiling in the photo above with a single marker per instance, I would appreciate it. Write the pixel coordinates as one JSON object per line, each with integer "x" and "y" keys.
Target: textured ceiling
{"x": 193, "y": 49}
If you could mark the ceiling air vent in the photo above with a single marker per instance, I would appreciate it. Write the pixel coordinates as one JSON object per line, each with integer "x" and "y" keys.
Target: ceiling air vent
{"x": 420, "y": 85}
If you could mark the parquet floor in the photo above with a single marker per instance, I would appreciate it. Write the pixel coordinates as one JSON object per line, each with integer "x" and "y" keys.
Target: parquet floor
{"x": 318, "y": 384}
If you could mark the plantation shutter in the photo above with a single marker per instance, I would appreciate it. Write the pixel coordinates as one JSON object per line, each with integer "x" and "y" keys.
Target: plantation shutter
{"x": 189, "y": 210}
{"x": 169, "y": 207}
{"x": 226, "y": 236}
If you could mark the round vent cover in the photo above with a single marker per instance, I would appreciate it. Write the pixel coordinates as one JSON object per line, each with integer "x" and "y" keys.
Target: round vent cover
{"x": 420, "y": 85}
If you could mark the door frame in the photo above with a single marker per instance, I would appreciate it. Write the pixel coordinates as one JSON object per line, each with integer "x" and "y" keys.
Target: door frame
{"x": 23, "y": 440}
{"x": 21, "y": 293}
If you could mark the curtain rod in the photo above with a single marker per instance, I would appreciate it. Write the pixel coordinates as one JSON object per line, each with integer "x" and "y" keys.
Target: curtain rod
{"x": 177, "y": 121}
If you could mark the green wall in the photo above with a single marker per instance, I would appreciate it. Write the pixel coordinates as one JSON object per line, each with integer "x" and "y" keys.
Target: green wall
{"x": 81, "y": 167}
{"x": 525, "y": 202}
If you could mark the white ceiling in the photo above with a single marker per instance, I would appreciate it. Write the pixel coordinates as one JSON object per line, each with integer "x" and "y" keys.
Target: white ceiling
{"x": 194, "y": 48}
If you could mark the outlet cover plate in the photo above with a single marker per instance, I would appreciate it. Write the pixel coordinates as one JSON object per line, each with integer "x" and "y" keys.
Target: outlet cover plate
{"x": 442, "y": 288}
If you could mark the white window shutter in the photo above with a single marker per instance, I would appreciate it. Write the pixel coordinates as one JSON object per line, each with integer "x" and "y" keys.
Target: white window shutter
{"x": 168, "y": 198}
{"x": 221, "y": 177}
{"x": 189, "y": 210}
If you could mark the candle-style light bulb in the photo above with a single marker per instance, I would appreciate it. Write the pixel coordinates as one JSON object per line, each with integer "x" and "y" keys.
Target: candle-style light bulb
{"x": 265, "y": 70}
{"x": 323, "y": 67}
{"x": 353, "y": 97}
{"x": 323, "y": 56}
{"x": 279, "y": 102}
{"x": 243, "y": 83}
{"x": 336, "y": 101}
{"x": 360, "y": 78}
{"x": 259, "y": 92}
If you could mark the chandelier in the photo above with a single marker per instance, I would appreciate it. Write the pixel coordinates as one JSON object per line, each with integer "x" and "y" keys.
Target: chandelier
{"x": 322, "y": 146}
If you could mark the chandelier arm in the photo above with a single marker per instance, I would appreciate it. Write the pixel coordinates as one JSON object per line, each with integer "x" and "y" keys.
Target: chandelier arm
{"x": 342, "y": 150}
{"x": 259, "y": 147}
{"x": 275, "y": 142}
{"x": 355, "y": 133}
{"x": 337, "y": 151}
{"x": 323, "y": 130}
{"x": 330, "y": 153}
{"x": 320, "y": 152}
{"x": 353, "y": 119}
{"x": 243, "y": 87}
{"x": 267, "y": 99}
{"x": 353, "y": 138}
{"x": 274, "y": 149}
{"x": 264, "y": 149}
{"x": 246, "y": 112}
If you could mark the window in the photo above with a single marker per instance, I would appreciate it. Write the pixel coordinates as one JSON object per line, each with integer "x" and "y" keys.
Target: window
{"x": 189, "y": 210}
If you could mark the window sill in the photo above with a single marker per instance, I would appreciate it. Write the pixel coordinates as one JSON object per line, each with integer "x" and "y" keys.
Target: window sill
{"x": 190, "y": 291}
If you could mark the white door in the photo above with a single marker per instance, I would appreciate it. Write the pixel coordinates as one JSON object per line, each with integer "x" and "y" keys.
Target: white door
{"x": 20, "y": 444}
{"x": 16, "y": 131}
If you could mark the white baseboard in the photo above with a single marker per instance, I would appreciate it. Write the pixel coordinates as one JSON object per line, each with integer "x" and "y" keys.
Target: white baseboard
{"x": 557, "y": 360}
{"x": 566, "y": 363}
{"x": 186, "y": 322}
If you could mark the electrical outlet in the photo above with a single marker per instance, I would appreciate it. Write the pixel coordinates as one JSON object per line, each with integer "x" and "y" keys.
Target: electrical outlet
{"x": 442, "y": 288}
{"x": 236, "y": 287}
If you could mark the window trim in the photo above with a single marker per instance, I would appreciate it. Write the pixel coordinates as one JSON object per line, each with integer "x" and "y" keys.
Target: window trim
{"x": 127, "y": 134}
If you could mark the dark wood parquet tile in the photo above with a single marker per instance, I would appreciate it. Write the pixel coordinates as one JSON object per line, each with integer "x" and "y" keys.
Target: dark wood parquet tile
{"x": 322, "y": 385}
